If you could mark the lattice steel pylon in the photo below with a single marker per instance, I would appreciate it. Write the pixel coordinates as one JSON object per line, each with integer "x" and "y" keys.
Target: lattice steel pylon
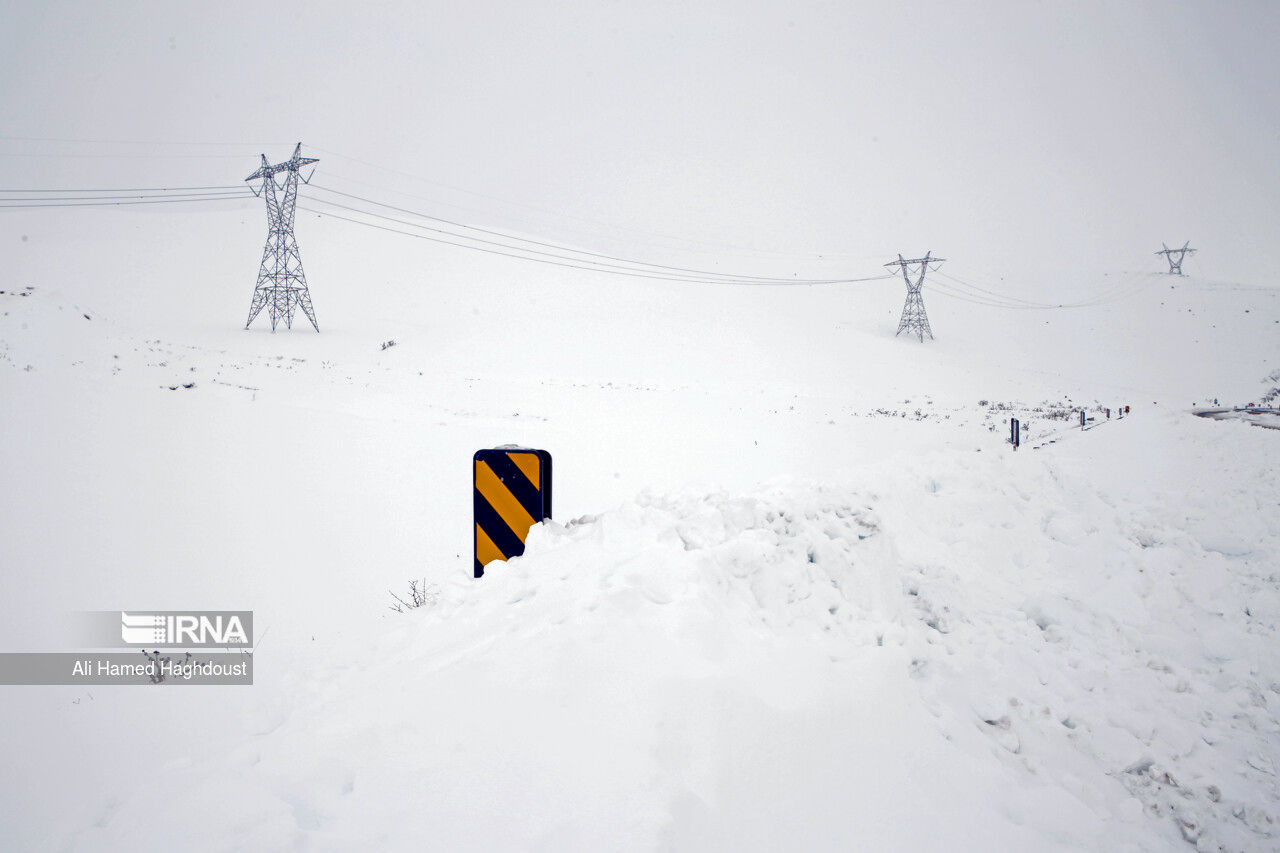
{"x": 914, "y": 319}
{"x": 1175, "y": 267}
{"x": 282, "y": 287}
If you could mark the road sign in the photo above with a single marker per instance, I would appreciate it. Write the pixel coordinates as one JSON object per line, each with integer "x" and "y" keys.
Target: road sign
{"x": 511, "y": 492}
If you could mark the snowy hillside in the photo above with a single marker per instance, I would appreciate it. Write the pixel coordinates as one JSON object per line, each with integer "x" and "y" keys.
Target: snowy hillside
{"x": 799, "y": 593}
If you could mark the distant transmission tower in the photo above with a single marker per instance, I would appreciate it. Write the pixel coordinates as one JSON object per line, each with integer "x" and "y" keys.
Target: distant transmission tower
{"x": 913, "y": 317}
{"x": 1175, "y": 266}
{"x": 281, "y": 288}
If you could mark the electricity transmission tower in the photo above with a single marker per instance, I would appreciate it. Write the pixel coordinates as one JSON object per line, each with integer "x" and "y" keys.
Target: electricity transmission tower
{"x": 913, "y": 317}
{"x": 282, "y": 287}
{"x": 1175, "y": 266}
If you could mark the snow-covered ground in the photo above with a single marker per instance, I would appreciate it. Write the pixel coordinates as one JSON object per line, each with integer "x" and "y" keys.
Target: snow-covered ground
{"x": 799, "y": 593}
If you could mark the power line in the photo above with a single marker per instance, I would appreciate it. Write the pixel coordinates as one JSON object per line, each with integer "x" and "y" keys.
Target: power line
{"x": 964, "y": 294}
{"x": 632, "y": 263}
{"x": 1114, "y": 294}
{"x": 681, "y": 243}
{"x": 960, "y": 281}
{"x": 983, "y": 296}
{"x": 491, "y": 251}
{"x": 1007, "y": 301}
{"x": 120, "y": 189}
{"x": 131, "y": 141}
{"x": 201, "y": 194}
{"x": 813, "y": 255}
{"x": 960, "y": 295}
{"x": 963, "y": 291}
{"x": 210, "y": 197}
{"x": 524, "y": 257}
{"x": 53, "y": 155}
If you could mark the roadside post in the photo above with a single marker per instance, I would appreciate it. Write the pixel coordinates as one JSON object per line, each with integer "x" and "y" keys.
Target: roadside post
{"x": 511, "y": 492}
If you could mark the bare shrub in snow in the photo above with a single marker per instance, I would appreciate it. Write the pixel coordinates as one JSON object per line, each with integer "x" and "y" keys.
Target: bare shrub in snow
{"x": 421, "y": 594}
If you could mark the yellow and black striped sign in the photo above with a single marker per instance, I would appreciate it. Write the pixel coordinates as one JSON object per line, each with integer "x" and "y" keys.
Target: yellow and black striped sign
{"x": 511, "y": 489}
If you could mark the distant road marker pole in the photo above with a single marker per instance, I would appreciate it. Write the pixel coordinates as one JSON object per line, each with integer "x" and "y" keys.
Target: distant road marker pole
{"x": 511, "y": 492}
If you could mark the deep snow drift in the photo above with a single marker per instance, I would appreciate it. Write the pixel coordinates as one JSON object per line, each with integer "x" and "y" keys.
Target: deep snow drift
{"x": 798, "y": 593}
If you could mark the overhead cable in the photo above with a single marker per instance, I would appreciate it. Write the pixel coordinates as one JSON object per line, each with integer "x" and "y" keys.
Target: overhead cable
{"x": 630, "y": 265}
{"x": 589, "y": 266}
{"x": 559, "y": 247}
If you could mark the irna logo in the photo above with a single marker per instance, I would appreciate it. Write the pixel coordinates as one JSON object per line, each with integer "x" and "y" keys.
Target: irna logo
{"x": 197, "y": 628}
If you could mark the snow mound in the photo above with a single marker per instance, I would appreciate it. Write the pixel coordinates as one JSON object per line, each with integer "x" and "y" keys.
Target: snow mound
{"x": 804, "y": 562}
{"x": 715, "y": 671}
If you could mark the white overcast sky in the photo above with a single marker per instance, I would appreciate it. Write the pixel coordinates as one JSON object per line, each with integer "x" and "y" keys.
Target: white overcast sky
{"x": 1010, "y": 137}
